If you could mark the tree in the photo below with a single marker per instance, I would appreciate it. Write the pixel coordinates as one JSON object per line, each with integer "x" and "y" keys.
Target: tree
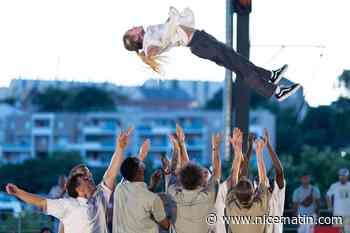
{"x": 344, "y": 79}
{"x": 51, "y": 100}
{"x": 39, "y": 175}
{"x": 90, "y": 99}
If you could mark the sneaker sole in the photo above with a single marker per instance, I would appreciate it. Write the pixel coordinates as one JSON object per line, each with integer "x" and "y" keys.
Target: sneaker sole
{"x": 290, "y": 93}
{"x": 284, "y": 70}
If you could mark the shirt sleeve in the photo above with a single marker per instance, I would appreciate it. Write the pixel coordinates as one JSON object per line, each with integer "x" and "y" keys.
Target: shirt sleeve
{"x": 157, "y": 210}
{"x": 56, "y": 207}
{"x": 213, "y": 188}
{"x": 331, "y": 191}
{"x": 106, "y": 191}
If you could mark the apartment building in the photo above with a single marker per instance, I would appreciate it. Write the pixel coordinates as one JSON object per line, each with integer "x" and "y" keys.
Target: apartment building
{"x": 93, "y": 135}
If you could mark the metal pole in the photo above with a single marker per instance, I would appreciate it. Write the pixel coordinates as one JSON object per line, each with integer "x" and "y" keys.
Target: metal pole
{"x": 227, "y": 93}
{"x": 242, "y": 99}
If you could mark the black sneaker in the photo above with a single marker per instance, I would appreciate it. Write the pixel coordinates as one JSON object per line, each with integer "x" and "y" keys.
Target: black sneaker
{"x": 277, "y": 75}
{"x": 285, "y": 92}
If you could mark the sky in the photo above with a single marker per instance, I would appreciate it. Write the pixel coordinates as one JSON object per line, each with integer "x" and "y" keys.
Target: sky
{"x": 82, "y": 40}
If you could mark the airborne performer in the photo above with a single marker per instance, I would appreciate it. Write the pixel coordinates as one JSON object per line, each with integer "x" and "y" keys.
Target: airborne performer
{"x": 179, "y": 30}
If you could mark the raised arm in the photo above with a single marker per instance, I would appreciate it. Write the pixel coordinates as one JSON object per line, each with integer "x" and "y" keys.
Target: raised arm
{"x": 175, "y": 159}
{"x": 144, "y": 149}
{"x": 236, "y": 141}
{"x": 28, "y": 198}
{"x": 181, "y": 139}
{"x": 117, "y": 159}
{"x": 260, "y": 144}
{"x": 275, "y": 161}
{"x": 245, "y": 164}
{"x": 215, "y": 155}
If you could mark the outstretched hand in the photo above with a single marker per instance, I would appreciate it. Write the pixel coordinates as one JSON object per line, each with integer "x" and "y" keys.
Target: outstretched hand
{"x": 237, "y": 139}
{"x": 215, "y": 141}
{"x": 12, "y": 189}
{"x": 266, "y": 136}
{"x": 174, "y": 142}
{"x": 123, "y": 138}
{"x": 144, "y": 149}
{"x": 259, "y": 146}
{"x": 180, "y": 133}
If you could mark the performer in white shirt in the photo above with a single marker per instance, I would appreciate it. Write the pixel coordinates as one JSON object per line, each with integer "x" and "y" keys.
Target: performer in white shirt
{"x": 179, "y": 30}
{"x": 84, "y": 211}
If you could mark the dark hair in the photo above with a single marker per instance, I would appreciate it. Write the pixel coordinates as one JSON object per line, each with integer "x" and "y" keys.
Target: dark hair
{"x": 191, "y": 176}
{"x": 130, "y": 44}
{"x": 129, "y": 168}
{"x": 72, "y": 185}
{"x": 244, "y": 191}
{"x": 73, "y": 171}
{"x": 45, "y": 229}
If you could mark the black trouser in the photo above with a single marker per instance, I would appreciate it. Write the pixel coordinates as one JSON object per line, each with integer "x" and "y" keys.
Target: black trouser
{"x": 206, "y": 46}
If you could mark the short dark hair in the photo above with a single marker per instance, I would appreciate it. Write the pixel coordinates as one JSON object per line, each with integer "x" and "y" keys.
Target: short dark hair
{"x": 72, "y": 184}
{"x": 45, "y": 229}
{"x": 191, "y": 176}
{"x": 130, "y": 44}
{"x": 244, "y": 191}
{"x": 129, "y": 168}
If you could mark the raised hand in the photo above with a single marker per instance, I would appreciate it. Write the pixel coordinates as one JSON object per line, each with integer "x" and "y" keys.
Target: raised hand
{"x": 180, "y": 134}
{"x": 259, "y": 146}
{"x": 251, "y": 138}
{"x": 266, "y": 136}
{"x": 144, "y": 149}
{"x": 154, "y": 180}
{"x": 12, "y": 189}
{"x": 165, "y": 164}
{"x": 215, "y": 141}
{"x": 123, "y": 138}
{"x": 174, "y": 142}
{"x": 237, "y": 139}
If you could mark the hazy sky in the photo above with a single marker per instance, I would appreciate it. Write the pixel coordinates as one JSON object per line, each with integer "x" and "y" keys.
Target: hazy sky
{"x": 81, "y": 40}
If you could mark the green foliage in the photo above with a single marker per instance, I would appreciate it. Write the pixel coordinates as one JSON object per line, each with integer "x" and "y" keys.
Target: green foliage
{"x": 344, "y": 79}
{"x": 39, "y": 175}
{"x": 81, "y": 99}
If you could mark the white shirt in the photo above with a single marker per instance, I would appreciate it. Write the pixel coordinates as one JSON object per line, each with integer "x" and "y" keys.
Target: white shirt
{"x": 134, "y": 205}
{"x": 341, "y": 194}
{"x": 220, "y": 208}
{"x": 81, "y": 215}
{"x": 167, "y": 35}
{"x": 276, "y": 208}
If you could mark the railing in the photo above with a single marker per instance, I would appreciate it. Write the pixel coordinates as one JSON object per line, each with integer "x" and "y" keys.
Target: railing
{"x": 26, "y": 222}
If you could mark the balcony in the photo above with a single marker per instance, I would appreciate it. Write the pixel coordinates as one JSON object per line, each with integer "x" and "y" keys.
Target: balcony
{"x": 101, "y": 129}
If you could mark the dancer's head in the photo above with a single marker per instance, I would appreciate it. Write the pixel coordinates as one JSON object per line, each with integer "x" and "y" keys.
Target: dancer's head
{"x": 133, "y": 169}
{"x": 80, "y": 182}
{"x": 244, "y": 191}
{"x": 191, "y": 176}
{"x": 133, "y": 38}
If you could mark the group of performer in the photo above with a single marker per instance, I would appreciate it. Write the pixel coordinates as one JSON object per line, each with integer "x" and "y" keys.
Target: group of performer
{"x": 190, "y": 193}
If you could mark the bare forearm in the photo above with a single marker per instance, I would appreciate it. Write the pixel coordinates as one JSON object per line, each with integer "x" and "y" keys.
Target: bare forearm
{"x": 261, "y": 169}
{"x": 277, "y": 166}
{"x": 236, "y": 164}
{"x": 31, "y": 199}
{"x": 113, "y": 168}
{"x": 216, "y": 163}
{"x": 174, "y": 160}
{"x": 184, "y": 154}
